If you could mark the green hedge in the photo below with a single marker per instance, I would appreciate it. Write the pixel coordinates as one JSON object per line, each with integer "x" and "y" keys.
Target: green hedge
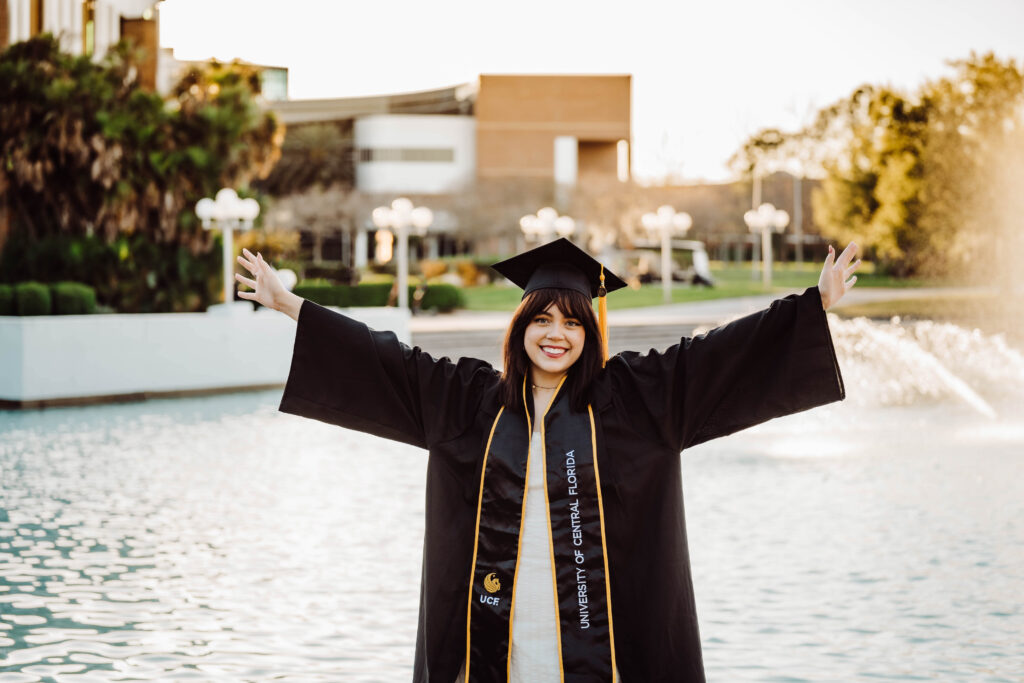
{"x": 32, "y": 298}
{"x": 131, "y": 274}
{"x": 72, "y": 298}
{"x": 37, "y": 298}
{"x": 443, "y": 297}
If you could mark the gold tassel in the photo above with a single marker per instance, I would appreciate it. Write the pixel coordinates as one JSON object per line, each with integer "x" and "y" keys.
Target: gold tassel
{"x": 602, "y": 318}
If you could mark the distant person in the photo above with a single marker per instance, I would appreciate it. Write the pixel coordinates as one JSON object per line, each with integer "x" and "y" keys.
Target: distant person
{"x": 555, "y": 545}
{"x": 702, "y": 269}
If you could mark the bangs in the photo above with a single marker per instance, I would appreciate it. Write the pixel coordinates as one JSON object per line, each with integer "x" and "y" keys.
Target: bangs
{"x": 571, "y": 303}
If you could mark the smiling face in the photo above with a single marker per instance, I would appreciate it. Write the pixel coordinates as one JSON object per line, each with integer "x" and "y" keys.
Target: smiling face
{"x": 552, "y": 348}
{"x": 553, "y": 343}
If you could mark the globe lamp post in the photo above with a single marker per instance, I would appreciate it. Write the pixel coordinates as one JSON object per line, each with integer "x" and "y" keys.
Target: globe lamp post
{"x": 663, "y": 224}
{"x": 400, "y": 217}
{"x": 545, "y": 225}
{"x": 766, "y": 219}
{"x": 228, "y": 213}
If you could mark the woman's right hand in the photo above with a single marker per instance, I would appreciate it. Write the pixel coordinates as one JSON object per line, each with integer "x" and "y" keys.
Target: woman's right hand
{"x": 267, "y": 287}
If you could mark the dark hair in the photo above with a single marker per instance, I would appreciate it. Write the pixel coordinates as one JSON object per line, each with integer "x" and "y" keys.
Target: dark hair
{"x": 572, "y": 304}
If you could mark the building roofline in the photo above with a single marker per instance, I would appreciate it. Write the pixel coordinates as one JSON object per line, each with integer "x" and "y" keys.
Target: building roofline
{"x": 560, "y": 75}
{"x": 455, "y": 99}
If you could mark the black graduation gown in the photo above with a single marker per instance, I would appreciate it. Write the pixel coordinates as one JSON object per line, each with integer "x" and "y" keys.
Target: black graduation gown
{"x": 647, "y": 407}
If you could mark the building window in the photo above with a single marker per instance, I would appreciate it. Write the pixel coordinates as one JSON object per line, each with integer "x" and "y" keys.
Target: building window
{"x": 366, "y": 155}
{"x": 274, "y": 84}
{"x": 89, "y": 27}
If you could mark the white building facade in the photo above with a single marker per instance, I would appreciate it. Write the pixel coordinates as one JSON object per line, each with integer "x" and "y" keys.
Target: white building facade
{"x": 414, "y": 153}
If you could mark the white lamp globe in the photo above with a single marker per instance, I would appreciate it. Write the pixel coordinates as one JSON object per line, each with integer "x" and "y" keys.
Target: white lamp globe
{"x": 547, "y": 215}
{"x": 649, "y": 221}
{"x": 381, "y": 217}
{"x": 752, "y": 219}
{"x": 682, "y": 221}
{"x": 288, "y": 278}
{"x": 226, "y": 196}
{"x": 422, "y": 217}
{"x": 780, "y": 220}
{"x": 402, "y": 205}
{"x": 564, "y": 226}
{"x": 205, "y": 210}
{"x": 249, "y": 209}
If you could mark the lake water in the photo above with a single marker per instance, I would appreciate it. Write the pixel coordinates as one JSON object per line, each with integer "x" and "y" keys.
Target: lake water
{"x": 217, "y": 539}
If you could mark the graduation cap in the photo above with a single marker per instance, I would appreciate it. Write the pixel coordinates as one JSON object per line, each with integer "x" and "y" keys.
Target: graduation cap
{"x": 563, "y": 265}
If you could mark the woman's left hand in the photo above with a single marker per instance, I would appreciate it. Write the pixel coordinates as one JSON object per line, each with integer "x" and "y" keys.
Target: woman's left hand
{"x": 835, "y": 280}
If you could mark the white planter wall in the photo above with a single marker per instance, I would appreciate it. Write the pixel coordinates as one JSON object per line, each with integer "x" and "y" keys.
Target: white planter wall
{"x": 83, "y": 356}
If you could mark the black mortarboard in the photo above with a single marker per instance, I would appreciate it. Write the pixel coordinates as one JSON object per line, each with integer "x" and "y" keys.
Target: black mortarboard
{"x": 558, "y": 264}
{"x": 563, "y": 265}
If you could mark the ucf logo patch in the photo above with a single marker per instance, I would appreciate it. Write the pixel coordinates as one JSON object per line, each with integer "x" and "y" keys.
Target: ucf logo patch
{"x": 492, "y": 585}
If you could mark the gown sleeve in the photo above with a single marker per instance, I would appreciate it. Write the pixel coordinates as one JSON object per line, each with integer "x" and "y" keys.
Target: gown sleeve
{"x": 346, "y": 374}
{"x": 772, "y": 363}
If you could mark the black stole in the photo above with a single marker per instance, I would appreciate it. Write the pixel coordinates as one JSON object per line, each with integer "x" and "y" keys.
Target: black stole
{"x": 576, "y": 529}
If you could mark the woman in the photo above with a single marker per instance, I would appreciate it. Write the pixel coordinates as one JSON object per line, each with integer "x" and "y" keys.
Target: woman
{"x": 609, "y": 590}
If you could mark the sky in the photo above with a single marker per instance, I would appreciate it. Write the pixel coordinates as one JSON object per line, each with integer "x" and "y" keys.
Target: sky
{"x": 706, "y": 75}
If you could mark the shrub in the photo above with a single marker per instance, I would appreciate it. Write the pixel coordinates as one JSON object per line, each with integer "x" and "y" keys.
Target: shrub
{"x": 130, "y": 274}
{"x": 335, "y": 271}
{"x": 371, "y": 294}
{"x": 31, "y": 298}
{"x": 473, "y": 270}
{"x": 433, "y": 269}
{"x": 323, "y": 293}
{"x": 444, "y": 298}
{"x": 484, "y": 266}
{"x": 389, "y": 268}
{"x": 72, "y": 298}
{"x": 273, "y": 245}
{"x": 441, "y": 296}
{"x": 6, "y": 300}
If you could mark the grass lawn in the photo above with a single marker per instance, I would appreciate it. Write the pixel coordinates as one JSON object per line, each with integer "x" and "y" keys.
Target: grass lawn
{"x": 732, "y": 280}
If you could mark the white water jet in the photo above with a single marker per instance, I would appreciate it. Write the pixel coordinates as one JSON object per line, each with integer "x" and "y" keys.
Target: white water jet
{"x": 895, "y": 363}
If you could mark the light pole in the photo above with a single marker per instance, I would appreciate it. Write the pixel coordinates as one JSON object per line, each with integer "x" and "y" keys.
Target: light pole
{"x": 229, "y": 213}
{"x": 401, "y": 216}
{"x": 543, "y": 226}
{"x": 766, "y": 219}
{"x": 664, "y": 224}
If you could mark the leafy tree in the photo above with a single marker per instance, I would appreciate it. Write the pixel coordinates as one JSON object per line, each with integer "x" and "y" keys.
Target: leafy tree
{"x": 973, "y": 167}
{"x": 85, "y": 151}
{"x": 312, "y": 155}
{"x": 871, "y": 190}
{"x": 928, "y": 183}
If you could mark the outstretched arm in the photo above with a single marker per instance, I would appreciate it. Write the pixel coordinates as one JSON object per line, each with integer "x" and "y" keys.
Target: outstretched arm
{"x": 346, "y": 374}
{"x": 771, "y": 363}
{"x": 267, "y": 287}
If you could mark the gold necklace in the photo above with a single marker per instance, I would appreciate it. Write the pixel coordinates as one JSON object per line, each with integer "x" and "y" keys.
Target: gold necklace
{"x": 537, "y": 386}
